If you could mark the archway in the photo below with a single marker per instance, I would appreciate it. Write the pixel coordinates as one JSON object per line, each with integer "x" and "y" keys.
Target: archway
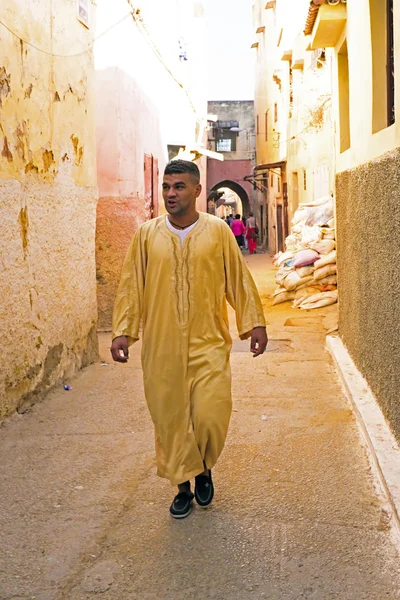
{"x": 235, "y": 187}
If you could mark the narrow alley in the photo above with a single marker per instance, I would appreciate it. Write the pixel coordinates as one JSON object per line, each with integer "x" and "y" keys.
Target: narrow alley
{"x": 149, "y": 150}
{"x": 297, "y": 511}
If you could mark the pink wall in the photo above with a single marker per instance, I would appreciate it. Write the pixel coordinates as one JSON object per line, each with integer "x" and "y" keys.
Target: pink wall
{"x": 232, "y": 170}
{"x": 127, "y": 128}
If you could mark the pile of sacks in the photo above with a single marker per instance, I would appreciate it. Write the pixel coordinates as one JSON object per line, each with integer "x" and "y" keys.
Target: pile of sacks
{"x": 307, "y": 269}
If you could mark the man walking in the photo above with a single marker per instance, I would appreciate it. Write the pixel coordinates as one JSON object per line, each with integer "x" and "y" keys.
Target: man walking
{"x": 178, "y": 273}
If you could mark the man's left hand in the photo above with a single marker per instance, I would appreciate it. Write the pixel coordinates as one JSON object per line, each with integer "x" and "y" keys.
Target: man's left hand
{"x": 259, "y": 341}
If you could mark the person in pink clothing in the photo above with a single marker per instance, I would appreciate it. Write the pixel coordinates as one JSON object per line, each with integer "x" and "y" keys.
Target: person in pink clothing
{"x": 251, "y": 233}
{"x": 238, "y": 230}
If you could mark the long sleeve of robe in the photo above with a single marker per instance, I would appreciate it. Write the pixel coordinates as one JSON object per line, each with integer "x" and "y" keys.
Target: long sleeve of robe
{"x": 178, "y": 295}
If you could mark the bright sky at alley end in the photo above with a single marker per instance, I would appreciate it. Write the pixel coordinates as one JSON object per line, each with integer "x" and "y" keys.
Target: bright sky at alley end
{"x": 230, "y": 57}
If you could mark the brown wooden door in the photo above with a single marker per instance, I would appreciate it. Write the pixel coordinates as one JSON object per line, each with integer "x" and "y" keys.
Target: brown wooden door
{"x": 155, "y": 188}
{"x": 285, "y": 211}
{"x": 151, "y": 186}
{"x": 279, "y": 226}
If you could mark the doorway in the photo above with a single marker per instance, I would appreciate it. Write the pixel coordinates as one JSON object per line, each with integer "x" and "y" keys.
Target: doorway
{"x": 295, "y": 191}
{"x": 151, "y": 186}
{"x": 279, "y": 226}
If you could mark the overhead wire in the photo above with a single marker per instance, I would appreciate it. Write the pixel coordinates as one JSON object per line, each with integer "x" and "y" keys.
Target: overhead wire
{"x": 88, "y": 49}
{"x": 142, "y": 29}
{"x": 141, "y": 26}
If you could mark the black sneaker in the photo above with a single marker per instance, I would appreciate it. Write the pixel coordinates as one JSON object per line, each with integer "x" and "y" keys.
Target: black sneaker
{"x": 204, "y": 489}
{"x": 181, "y": 505}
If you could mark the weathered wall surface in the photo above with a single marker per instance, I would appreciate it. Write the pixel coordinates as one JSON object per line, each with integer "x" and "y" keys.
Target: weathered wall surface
{"x": 127, "y": 128}
{"x": 143, "y": 106}
{"x": 48, "y": 199}
{"x": 368, "y": 223}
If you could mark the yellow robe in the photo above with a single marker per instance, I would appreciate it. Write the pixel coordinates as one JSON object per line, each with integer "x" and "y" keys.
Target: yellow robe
{"x": 178, "y": 295}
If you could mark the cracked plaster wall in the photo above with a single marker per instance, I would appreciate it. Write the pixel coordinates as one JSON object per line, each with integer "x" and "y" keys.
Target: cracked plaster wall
{"x": 48, "y": 199}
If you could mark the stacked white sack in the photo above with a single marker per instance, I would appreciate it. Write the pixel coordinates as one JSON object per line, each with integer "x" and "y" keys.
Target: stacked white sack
{"x": 307, "y": 269}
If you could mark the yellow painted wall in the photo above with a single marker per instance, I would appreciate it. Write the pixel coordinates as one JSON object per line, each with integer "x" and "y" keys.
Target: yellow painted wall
{"x": 365, "y": 145}
{"x": 48, "y": 198}
{"x": 310, "y": 138}
{"x": 367, "y": 205}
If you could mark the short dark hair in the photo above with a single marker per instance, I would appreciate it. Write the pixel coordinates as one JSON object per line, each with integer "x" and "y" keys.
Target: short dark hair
{"x": 176, "y": 167}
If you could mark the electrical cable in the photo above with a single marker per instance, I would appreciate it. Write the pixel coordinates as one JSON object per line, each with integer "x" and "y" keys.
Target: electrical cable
{"x": 143, "y": 30}
{"x": 146, "y": 34}
{"x": 88, "y": 49}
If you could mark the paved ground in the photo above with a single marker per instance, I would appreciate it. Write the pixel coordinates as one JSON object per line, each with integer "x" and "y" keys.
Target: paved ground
{"x": 296, "y": 513}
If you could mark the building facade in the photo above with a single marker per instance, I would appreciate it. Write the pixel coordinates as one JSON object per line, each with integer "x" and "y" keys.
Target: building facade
{"x": 48, "y": 197}
{"x": 231, "y": 133}
{"x": 294, "y": 120}
{"x": 151, "y": 104}
{"x": 340, "y": 65}
{"x": 367, "y": 108}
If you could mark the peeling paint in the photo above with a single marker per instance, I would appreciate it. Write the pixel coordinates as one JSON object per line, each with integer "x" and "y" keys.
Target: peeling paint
{"x": 28, "y": 91}
{"x": 68, "y": 91}
{"x": 78, "y": 151}
{"x": 31, "y": 168}
{"x": 5, "y": 84}
{"x": 20, "y": 145}
{"x": 6, "y": 151}
{"x": 48, "y": 182}
{"x": 48, "y": 160}
{"x": 75, "y": 143}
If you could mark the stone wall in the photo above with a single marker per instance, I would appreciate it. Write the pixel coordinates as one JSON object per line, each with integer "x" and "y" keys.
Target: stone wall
{"x": 368, "y": 233}
{"x": 48, "y": 198}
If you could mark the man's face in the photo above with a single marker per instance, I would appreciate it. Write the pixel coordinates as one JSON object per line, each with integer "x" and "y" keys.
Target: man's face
{"x": 180, "y": 192}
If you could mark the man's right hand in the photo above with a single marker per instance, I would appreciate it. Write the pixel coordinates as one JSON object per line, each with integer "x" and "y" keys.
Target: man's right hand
{"x": 119, "y": 349}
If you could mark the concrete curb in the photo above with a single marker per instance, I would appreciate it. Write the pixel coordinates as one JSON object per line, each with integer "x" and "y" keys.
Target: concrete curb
{"x": 384, "y": 449}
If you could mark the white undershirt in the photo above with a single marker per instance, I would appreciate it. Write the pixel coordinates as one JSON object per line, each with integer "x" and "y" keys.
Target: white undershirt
{"x": 181, "y": 232}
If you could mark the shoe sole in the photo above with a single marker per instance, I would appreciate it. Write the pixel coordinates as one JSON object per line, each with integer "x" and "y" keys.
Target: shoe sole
{"x": 204, "y": 506}
{"x": 181, "y": 516}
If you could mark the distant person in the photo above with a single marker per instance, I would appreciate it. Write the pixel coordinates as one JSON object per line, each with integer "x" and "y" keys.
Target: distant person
{"x": 246, "y": 245}
{"x": 252, "y": 233}
{"x": 179, "y": 272}
{"x": 238, "y": 229}
{"x": 229, "y": 220}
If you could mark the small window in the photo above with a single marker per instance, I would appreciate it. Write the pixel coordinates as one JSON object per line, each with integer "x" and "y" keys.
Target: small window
{"x": 258, "y": 125}
{"x": 266, "y": 125}
{"x": 272, "y": 180}
{"x": 275, "y": 112}
{"x": 305, "y": 180}
{"x": 224, "y": 145}
{"x": 279, "y": 184}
